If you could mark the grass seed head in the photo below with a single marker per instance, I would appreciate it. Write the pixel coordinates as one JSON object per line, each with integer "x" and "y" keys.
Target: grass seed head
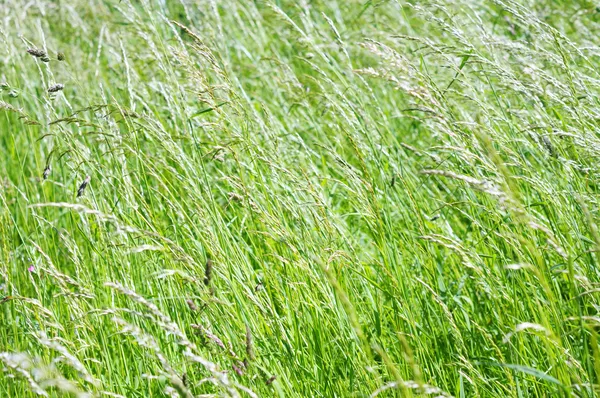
{"x": 219, "y": 155}
{"x": 209, "y": 335}
{"x": 83, "y": 185}
{"x": 238, "y": 369}
{"x": 47, "y": 171}
{"x": 249, "y": 349}
{"x": 208, "y": 271}
{"x": 548, "y": 145}
{"x": 191, "y": 305}
{"x": 56, "y": 88}
{"x": 271, "y": 380}
{"x": 37, "y": 52}
{"x": 235, "y": 197}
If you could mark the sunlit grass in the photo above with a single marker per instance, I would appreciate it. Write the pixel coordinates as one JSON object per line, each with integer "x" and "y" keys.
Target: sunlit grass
{"x": 287, "y": 198}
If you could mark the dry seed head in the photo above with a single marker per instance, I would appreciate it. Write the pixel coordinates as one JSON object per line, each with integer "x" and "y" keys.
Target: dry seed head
{"x": 271, "y": 380}
{"x": 238, "y": 369}
{"x": 236, "y": 197}
{"x": 192, "y": 305}
{"x": 37, "y": 52}
{"x": 548, "y": 145}
{"x": 84, "y": 184}
{"x": 249, "y": 350}
{"x": 208, "y": 271}
{"x": 56, "y": 88}
{"x": 47, "y": 171}
{"x": 219, "y": 155}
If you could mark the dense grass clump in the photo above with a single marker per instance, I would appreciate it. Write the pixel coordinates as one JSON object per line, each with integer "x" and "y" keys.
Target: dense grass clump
{"x": 317, "y": 198}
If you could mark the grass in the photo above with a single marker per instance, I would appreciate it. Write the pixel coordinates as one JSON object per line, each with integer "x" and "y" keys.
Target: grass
{"x": 324, "y": 198}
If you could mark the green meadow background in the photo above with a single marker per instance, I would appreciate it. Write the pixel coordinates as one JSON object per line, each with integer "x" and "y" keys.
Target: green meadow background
{"x": 319, "y": 198}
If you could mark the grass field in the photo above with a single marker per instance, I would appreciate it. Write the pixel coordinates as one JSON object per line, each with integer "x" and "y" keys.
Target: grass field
{"x": 299, "y": 198}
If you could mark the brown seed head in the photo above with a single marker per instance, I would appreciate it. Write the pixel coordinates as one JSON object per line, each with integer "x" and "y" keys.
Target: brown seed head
{"x": 56, "y": 88}
{"x": 208, "y": 271}
{"x": 237, "y": 370}
{"x": 37, "y": 52}
{"x": 249, "y": 349}
{"x": 192, "y": 305}
{"x": 271, "y": 380}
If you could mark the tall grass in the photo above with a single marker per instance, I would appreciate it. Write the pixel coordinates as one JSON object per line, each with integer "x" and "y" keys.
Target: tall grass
{"x": 314, "y": 198}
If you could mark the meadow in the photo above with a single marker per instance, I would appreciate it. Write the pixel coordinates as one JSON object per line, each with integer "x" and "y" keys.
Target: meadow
{"x": 277, "y": 198}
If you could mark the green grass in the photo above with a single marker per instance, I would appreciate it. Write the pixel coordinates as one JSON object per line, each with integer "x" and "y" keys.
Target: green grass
{"x": 300, "y": 199}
